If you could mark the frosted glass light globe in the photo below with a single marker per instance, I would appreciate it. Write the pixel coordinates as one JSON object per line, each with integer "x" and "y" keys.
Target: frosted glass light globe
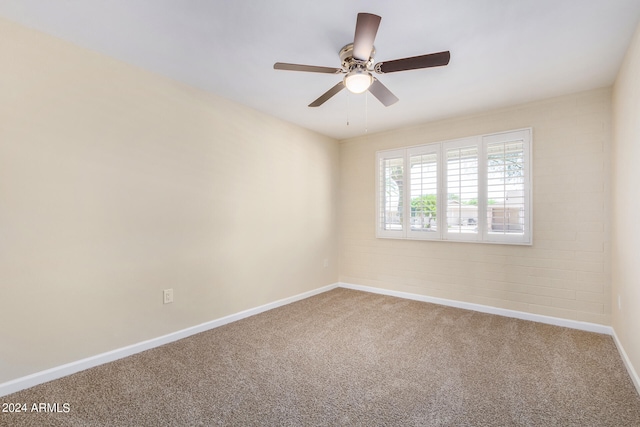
{"x": 358, "y": 80}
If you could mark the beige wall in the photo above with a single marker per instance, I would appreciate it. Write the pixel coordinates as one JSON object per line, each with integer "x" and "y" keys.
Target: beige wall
{"x": 564, "y": 274}
{"x": 626, "y": 204}
{"x": 116, "y": 184}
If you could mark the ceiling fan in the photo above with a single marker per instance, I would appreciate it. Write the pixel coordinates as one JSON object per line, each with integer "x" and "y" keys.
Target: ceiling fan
{"x": 357, "y": 64}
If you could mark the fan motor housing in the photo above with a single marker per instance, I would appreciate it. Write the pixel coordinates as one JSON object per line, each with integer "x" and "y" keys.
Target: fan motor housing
{"x": 349, "y": 62}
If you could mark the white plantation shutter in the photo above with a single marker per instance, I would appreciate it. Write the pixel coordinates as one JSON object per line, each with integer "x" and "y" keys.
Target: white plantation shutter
{"x": 462, "y": 184}
{"x": 508, "y": 187}
{"x": 390, "y": 194}
{"x": 423, "y": 192}
{"x": 475, "y": 189}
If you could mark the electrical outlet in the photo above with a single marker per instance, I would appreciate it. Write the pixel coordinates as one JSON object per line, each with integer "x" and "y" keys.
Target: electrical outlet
{"x": 167, "y": 296}
{"x": 325, "y": 264}
{"x": 619, "y": 302}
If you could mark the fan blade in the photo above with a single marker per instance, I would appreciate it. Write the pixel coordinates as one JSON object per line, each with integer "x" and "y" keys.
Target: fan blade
{"x": 366, "y": 30}
{"x": 308, "y": 68}
{"x": 414, "y": 63}
{"x": 328, "y": 94}
{"x": 383, "y": 94}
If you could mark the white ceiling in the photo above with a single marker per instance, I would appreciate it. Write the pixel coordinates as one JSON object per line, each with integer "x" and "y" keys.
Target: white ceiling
{"x": 503, "y": 52}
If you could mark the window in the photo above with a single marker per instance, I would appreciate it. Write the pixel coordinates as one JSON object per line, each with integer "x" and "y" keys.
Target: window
{"x": 391, "y": 201}
{"x": 423, "y": 192}
{"x": 474, "y": 189}
{"x": 461, "y": 188}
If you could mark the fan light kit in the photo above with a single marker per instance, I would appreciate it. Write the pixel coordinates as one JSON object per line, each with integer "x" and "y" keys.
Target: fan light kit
{"x": 358, "y": 80}
{"x": 357, "y": 64}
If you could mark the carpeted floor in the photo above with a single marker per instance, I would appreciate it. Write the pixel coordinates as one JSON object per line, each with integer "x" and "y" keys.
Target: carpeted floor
{"x": 353, "y": 358}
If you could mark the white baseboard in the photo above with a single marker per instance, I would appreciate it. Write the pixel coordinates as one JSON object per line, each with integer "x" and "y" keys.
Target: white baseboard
{"x": 100, "y": 359}
{"x": 573, "y": 324}
{"x": 627, "y": 363}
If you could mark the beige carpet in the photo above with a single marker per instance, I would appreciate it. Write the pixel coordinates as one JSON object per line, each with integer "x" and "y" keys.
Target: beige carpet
{"x": 354, "y": 358}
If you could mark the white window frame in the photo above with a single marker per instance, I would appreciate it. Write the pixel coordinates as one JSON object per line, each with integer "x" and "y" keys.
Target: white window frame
{"x": 483, "y": 234}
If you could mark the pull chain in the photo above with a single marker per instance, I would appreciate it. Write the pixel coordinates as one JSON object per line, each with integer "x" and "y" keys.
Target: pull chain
{"x": 347, "y": 108}
{"x": 366, "y": 112}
